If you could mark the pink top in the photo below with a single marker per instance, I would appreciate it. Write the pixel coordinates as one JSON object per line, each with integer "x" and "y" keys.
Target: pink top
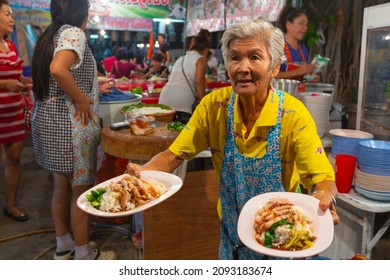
{"x": 108, "y": 62}
{"x": 120, "y": 69}
{"x": 12, "y": 127}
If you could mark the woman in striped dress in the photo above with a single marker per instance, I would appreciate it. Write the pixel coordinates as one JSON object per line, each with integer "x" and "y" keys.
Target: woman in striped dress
{"x": 12, "y": 127}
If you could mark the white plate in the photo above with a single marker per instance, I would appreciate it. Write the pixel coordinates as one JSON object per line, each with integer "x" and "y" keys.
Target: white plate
{"x": 172, "y": 183}
{"x": 322, "y": 224}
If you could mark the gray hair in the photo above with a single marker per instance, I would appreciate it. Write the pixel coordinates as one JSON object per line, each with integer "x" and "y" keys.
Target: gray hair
{"x": 267, "y": 34}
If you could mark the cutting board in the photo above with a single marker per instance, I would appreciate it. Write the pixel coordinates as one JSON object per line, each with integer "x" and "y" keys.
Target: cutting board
{"x": 125, "y": 144}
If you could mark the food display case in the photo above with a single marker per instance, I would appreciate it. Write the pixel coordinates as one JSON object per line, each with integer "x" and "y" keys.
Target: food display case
{"x": 373, "y": 108}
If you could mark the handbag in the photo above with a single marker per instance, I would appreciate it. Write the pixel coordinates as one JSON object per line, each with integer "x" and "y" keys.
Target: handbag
{"x": 27, "y": 109}
{"x": 196, "y": 102}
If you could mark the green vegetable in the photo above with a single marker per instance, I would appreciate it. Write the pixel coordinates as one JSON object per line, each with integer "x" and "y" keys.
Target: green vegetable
{"x": 269, "y": 235}
{"x": 137, "y": 90}
{"x": 96, "y": 197}
{"x": 268, "y": 238}
{"x": 176, "y": 126}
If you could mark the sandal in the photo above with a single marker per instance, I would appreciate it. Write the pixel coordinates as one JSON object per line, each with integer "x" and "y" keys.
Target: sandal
{"x": 69, "y": 255}
{"x": 63, "y": 256}
{"x": 23, "y": 217}
{"x": 105, "y": 255}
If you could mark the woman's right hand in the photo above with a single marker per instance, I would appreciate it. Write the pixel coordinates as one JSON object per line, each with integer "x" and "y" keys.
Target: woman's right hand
{"x": 83, "y": 112}
{"x": 15, "y": 86}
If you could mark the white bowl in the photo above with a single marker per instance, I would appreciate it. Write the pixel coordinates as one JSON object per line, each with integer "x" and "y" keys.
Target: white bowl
{"x": 351, "y": 133}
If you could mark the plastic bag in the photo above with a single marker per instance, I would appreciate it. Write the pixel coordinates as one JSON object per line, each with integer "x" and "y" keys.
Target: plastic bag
{"x": 319, "y": 63}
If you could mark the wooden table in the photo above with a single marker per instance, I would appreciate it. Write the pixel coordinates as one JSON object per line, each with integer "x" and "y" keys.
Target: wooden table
{"x": 124, "y": 144}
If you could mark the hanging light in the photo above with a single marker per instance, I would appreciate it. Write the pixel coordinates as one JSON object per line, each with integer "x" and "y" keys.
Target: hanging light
{"x": 114, "y": 36}
{"x": 139, "y": 37}
{"x": 96, "y": 19}
{"x": 126, "y": 36}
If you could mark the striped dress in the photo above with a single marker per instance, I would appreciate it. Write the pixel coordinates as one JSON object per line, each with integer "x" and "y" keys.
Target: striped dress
{"x": 12, "y": 127}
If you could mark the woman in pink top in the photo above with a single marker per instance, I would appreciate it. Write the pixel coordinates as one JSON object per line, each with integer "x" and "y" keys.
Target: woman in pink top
{"x": 122, "y": 67}
{"x": 12, "y": 126}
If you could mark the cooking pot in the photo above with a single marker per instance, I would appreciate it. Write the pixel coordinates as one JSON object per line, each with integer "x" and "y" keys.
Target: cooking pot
{"x": 290, "y": 86}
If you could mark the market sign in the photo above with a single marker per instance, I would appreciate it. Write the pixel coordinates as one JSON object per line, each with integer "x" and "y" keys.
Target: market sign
{"x": 205, "y": 14}
{"x": 121, "y": 23}
{"x": 42, "y": 5}
{"x": 33, "y": 17}
{"x": 173, "y": 9}
{"x": 216, "y": 15}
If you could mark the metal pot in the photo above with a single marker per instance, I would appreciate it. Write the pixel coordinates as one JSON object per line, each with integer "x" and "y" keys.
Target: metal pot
{"x": 290, "y": 86}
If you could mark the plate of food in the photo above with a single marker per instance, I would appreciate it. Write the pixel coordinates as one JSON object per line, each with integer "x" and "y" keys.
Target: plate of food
{"x": 126, "y": 195}
{"x": 286, "y": 225}
{"x": 160, "y": 112}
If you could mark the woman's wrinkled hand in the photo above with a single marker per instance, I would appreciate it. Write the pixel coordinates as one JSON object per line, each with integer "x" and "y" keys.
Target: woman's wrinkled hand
{"x": 83, "y": 111}
{"x": 326, "y": 202}
{"x": 134, "y": 169}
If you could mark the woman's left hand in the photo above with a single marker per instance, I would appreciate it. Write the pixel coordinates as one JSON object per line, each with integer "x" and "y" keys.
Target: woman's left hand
{"x": 326, "y": 202}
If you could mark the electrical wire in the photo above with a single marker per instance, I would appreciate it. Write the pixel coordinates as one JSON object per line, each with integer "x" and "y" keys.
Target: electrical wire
{"x": 24, "y": 234}
{"x": 104, "y": 228}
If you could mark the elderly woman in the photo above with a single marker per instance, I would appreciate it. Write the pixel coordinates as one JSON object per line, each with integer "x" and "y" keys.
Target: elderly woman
{"x": 262, "y": 140}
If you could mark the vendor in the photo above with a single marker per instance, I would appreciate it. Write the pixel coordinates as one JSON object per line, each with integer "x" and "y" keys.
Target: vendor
{"x": 261, "y": 139}
{"x": 156, "y": 67}
{"x": 293, "y": 22}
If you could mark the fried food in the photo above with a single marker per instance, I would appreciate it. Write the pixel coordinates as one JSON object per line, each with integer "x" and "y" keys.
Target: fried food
{"x": 280, "y": 224}
{"x": 129, "y": 193}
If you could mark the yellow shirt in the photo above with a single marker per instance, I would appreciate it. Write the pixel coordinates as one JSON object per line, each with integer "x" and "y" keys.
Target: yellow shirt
{"x": 303, "y": 157}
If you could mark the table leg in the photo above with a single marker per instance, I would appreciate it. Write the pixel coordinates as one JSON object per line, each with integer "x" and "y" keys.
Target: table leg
{"x": 368, "y": 230}
{"x": 378, "y": 235}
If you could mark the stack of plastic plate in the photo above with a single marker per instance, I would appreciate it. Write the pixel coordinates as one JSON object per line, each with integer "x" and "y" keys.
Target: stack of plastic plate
{"x": 318, "y": 104}
{"x": 372, "y": 182}
{"x": 374, "y": 157}
{"x": 374, "y": 195}
{"x": 346, "y": 141}
{"x": 372, "y": 175}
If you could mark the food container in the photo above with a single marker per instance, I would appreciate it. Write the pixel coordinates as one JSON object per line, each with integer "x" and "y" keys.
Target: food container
{"x": 290, "y": 86}
{"x": 110, "y": 111}
{"x": 319, "y": 87}
{"x": 144, "y": 109}
{"x": 318, "y": 104}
